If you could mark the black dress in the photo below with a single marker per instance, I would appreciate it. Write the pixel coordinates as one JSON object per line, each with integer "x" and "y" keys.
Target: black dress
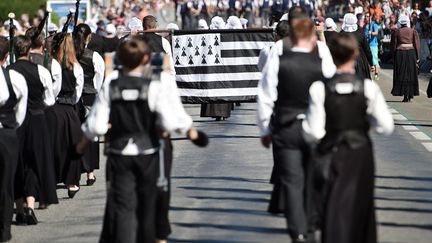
{"x": 68, "y": 132}
{"x": 405, "y": 42}
{"x": 35, "y": 172}
{"x": 216, "y": 110}
{"x": 349, "y": 214}
{"x": 364, "y": 60}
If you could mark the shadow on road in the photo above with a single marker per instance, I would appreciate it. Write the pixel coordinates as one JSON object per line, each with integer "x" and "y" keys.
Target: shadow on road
{"x": 418, "y": 226}
{"x": 235, "y": 190}
{"x": 242, "y": 228}
{"x": 223, "y": 178}
{"x": 410, "y": 178}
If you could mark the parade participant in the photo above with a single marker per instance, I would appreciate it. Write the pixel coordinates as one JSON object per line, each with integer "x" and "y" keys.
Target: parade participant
{"x": 35, "y": 177}
{"x": 282, "y": 31}
{"x": 220, "y": 111}
{"x": 341, "y": 112}
{"x": 94, "y": 70}
{"x": 13, "y": 105}
{"x": 133, "y": 143}
{"x": 67, "y": 123}
{"x": 330, "y": 29}
{"x": 37, "y": 56}
{"x": 406, "y": 52}
{"x": 364, "y": 59}
{"x": 371, "y": 31}
{"x": 282, "y": 103}
{"x": 155, "y": 41}
{"x": 265, "y": 12}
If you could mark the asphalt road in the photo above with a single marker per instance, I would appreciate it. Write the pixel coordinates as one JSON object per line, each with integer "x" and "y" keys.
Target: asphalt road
{"x": 220, "y": 193}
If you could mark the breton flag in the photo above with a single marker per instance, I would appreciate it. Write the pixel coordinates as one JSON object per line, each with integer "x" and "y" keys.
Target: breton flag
{"x": 214, "y": 66}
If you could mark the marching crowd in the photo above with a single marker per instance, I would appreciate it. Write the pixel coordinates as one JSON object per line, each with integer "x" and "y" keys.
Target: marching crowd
{"x": 316, "y": 104}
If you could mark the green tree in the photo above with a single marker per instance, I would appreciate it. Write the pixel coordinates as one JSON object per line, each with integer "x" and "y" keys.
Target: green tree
{"x": 19, "y": 7}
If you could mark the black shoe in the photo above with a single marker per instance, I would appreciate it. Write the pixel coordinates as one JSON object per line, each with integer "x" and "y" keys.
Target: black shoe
{"x": 71, "y": 194}
{"x": 90, "y": 182}
{"x": 405, "y": 99}
{"x": 30, "y": 216}
{"x": 20, "y": 219}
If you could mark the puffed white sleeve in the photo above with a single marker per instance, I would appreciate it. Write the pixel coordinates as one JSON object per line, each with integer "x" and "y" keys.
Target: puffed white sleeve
{"x": 45, "y": 78}
{"x": 167, "y": 48}
{"x": 315, "y": 121}
{"x": 380, "y": 117}
{"x": 99, "y": 67}
{"x": 56, "y": 72}
{"x": 262, "y": 59}
{"x": 327, "y": 65}
{"x": 79, "y": 76}
{"x": 96, "y": 123}
{"x": 267, "y": 92}
{"x": 19, "y": 85}
{"x": 4, "y": 91}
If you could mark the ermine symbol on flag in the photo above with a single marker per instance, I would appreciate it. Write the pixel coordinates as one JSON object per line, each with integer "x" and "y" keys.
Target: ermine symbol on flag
{"x": 197, "y": 51}
{"x": 203, "y": 59}
{"x": 203, "y": 41}
{"x": 177, "y": 44}
{"x": 183, "y": 53}
{"x": 191, "y": 60}
{"x": 177, "y": 60}
{"x": 216, "y": 43}
{"x": 210, "y": 51}
{"x": 217, "y": 59}
{"x": 190, "y": 42}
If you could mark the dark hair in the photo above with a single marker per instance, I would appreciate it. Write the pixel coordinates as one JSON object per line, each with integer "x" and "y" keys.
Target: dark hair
{"x": 130, "y": 53}
{"x": 80, "y": 34}
{"x": 297, "y": 12}
{"x": 282, "y": 29}
{"x": 149, "y": 22}
{"x": 36, "y": 40}
{"x": 301, "y": 28}
{"x": 4, "y": 47}
{"x": 342, "y": 47}
{"x": 22, "y": 46}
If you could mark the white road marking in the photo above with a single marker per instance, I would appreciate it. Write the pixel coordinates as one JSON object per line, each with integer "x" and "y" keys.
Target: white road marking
{"x": 393, "y": 111}
{"x": 420, "y": 136}
{"x": 428, "y": 146}
{"x": 399, "y": 117}
{"x": 410, "y": 128}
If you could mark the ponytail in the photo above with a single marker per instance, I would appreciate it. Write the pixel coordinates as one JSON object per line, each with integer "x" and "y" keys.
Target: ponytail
{"x": 80, "y": 34}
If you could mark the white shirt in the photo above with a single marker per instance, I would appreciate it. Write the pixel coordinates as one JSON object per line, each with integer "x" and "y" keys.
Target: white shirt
{"x": 79, "y": 76}
{"x": 20, "y": 89}
{"x": 263, "y": 56}
{"x": 47, "y": 83}
{"x": 161, "y": 99}
{"x": 4, "y": 91}
{"x": 380, "y": 117}
{"x": 99, "y": 68}
{"x": 267, "y": 87}
{"x": 56, "y": 72}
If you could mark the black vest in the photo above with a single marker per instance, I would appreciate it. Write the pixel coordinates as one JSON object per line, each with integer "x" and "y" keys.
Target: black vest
{"x": 39, "y": 59}
{"x": 130, "y": 115}
{"x": 346, "y": 114}
{"x": 86, "y": 62}
{"x": 7, "y": 111}
{"x": 155, "y": 42}
{"x": 67, "y": 92}
{"x": 297, "y": 71}
{"x": 35, "y": 101}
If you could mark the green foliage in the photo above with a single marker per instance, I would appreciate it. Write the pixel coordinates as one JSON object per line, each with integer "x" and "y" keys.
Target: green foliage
{"x": 19, "y": 7}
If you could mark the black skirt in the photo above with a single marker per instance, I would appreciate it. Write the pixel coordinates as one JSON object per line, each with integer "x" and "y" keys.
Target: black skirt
{"x": 68, "y": 134}
{"x": 405, "y": 74}
{"x": 35, "y": 172}
{"x": 349, "y": 212}
{"x": 362, "y": 66}
{"x": 90, "y": 160}
{"x": 216, "y": 110}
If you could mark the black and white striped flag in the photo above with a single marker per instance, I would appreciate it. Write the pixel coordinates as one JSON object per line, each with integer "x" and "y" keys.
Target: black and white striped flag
{"x": 218, "y": 65}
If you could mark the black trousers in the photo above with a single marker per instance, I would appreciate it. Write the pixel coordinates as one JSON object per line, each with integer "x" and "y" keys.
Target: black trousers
{"x": 291, "y": 156}
{"x": 163, "y": 228}
{"x": 131, "y": 202}
{"x": 8, "y": 164}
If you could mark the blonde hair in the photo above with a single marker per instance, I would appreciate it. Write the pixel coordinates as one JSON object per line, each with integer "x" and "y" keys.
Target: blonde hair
{"x": 67, "y": 47}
